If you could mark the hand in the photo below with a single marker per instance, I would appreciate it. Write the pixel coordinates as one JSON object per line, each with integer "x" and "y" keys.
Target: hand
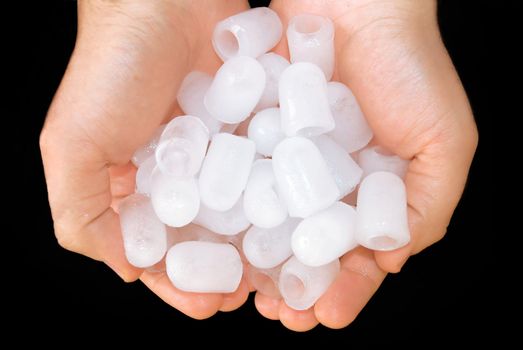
{"x": 390, "y": 54}
{"x": 121, "y": 83}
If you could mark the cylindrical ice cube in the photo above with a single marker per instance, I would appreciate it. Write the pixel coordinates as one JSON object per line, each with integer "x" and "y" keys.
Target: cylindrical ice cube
{"x": 345, "y": 171}
{"x": 352, "y": 130}
{"x": 301, "y": 285}
{"x": 265, "y": 281}
{"x": 190, "y": 98}
{"x": 381, "y": 222}
{"x": 194, "y": 232}
{"x": 325, "y": 236}
{"x": 249, "y": 33}
{"x": 311, "y": 39}
{"x": 182, "y": 146}
{"x": 204, "y": 267}
{"x": 378, "y": 158}
{"x": 267, "y": 248}
{"x": 235, "y": 90}
{"x": 261, "y": 201}
{"x": 274, "y": 65}
{"x": 265, "y": 130}
{"x": 304, "y": 105}
{"x": 228, "y": 222}
{"x": 225, "y": 170}
{"x": 176, "y": 201}
{"x": 144, "y": 174}
{"x": 144, "y": 235}
{"x": 303, "y": 177}
{"x": 147, "y": 150}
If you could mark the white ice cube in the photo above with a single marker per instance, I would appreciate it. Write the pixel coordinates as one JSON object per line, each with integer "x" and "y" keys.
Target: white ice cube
{"x": 262, "y": 203}
{"x": 144, "y": 235}
{"x": 182, "y": 146}
{"x": 267, "y": 248}
{"x": 381, "y": 222}
{"x": 190, "y": 98}
{"x": 143, "y": 175}
{"x": 325, "y": 236}
{"x": 204, "y": 267}
{"x": 235, "y": 90}
{"x": 147, "y": 150}
{"x": 229, "y": 222}
{"x": 249, "y": 33}
{"x": 304, "y": 105}
{"x": 274, "y": 65}
{"x": 311, "y": 39}
{"x": 345, "y": 171}
{"x": 303, "y": 178}
{"x": 265, "y": 130}
{"x": 225, "y": 170}
{"x": 176, "y": 201}
{"x": 301, "y": 285}
{"x": 352, "y": 130}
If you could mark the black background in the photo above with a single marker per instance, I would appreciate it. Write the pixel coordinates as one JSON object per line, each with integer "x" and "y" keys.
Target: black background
{"x": 441, "y": 293}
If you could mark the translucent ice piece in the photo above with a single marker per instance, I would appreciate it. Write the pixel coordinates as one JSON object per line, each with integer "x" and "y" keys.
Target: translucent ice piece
{"x": 228, "y": 222}
{"x": 190, "y": 98}
{"x": 225, "y": 170}
{"x": 235, "y": 90}
{"x": 325, "y": 236}
{"x": 144, "y": 235}
{"x": 267, "y": 248}
{"x": 345, "y": 171}
{"x": 261, "y": 200}
{"x": 265, "y": 130}
{"x": 148, "y": 149}
{"x": 352, "y": 130}
{"x": 274, "y": 65}
{"x": 249, "y": 33}
{"x": 304, "y": 105}
{"x": 265, "y": 281}
{"x": 378, "y": 158}
{"x": 381, "y": 222}
{"x": 182, "y": 146}
{"x": 143, "y": 175}
{"x": 311, "y": 39}
{"x": 193, "y": 232}
{"x": 204, "y": 267}
{"x": 301, "y": 285}
{"x": 176, "y": 201}
{"x": 303, "y": 178}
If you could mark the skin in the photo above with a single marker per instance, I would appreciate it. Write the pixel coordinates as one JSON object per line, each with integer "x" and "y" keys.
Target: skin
{"x": 121, "y": 83}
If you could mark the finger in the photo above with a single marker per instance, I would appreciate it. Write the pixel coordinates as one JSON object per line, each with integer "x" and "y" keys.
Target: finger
{"x": 267, "y": 307}
{"x": 404, "y": 80}
{"x": 298, "y": 321}
{"x": 359, "y": 278}
{"x": 232, "y": 301}
{"x": 195, "y": 305}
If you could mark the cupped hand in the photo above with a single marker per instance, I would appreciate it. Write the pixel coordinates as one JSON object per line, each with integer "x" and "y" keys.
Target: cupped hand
{"x": 389, "y": 52}
{"x": 120, "y": 84}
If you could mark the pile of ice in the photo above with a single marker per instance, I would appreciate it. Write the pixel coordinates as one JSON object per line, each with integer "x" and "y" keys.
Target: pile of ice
{"x": 275, "y": 199}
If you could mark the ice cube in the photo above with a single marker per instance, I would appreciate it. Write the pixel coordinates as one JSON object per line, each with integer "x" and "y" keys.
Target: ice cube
{"x": 225, "y": 171}
{"x": 204, "y": 267}
{"x": 262, "y": 203}
{"x": 144, "y": 235}
{"x": 381, "y": 222}
{"x": 325, "y": 236}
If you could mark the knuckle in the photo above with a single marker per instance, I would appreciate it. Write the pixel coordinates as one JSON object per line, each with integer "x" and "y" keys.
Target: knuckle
{"x": 67, "y": 236}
